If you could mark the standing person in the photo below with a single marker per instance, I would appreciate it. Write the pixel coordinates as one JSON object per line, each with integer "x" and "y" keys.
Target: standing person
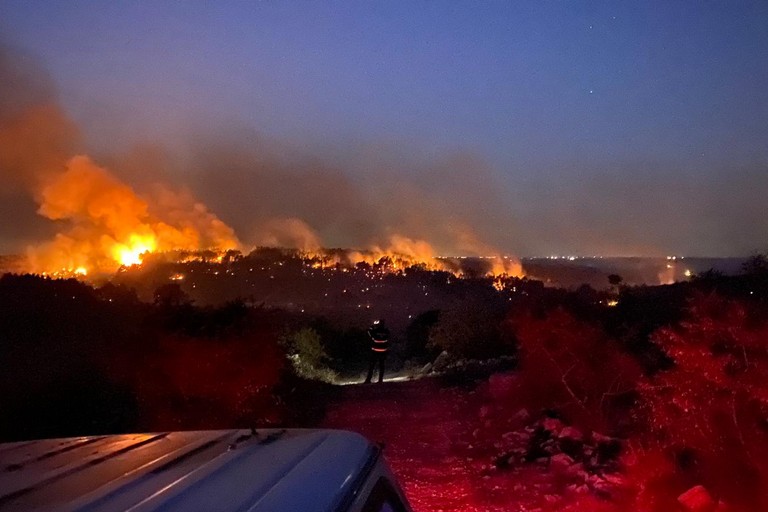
{"x": 379, "y": 335}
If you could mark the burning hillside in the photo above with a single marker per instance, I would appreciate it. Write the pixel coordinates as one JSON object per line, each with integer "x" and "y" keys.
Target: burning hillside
{"x": 104, "y": 219}
{"x": 107, "y": 225}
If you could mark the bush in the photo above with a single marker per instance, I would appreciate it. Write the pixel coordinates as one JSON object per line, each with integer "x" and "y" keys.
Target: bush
{"x": 417, "y": 337}
{"x": 572, "y": 368}
{"x": 472, "y": 330}
{"x": 710, "y": 411}
{"x": 203, "y": 383}
{"x": 305, "y": 350}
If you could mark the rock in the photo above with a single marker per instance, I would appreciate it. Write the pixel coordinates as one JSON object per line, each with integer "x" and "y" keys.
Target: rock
{"x": 697, "y": 499}
{"x": 614, "y": 479}
{"x": 560, "y": 461}
{"x": 523, "y": 437}
{"x": 578, "y": 471}
{"x": 571, "y": 433}
{"x": 602, "y": 488}
{"x": 426, "y": 369}
{"x": 553, "y": 425}
{"x": 502, "y": 385}
{"x": 441, "y": 362}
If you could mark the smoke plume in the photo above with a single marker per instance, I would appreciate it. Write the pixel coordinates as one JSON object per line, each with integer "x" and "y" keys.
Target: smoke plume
{"x": 102, "y": 221}
{"x": 273, "y": 194}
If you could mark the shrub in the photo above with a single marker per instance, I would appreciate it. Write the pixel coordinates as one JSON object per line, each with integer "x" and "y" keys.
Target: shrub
{"x": 711, "y": 409}
{"x": 305, "y": 350}
{"x": 472, "y": 330}
{"x": 203, "y": 383}
{"x": 571, "y": 367}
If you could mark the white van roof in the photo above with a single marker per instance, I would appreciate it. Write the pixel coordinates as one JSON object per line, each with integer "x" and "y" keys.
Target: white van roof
{"x": 223, "y": 470}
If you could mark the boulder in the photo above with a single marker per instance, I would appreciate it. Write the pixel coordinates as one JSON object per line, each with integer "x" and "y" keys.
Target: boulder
{"x": 553, "y": 425}
{"x": 697, "y": 499}
{"x": 560, "y": 461}
{"x": 571, "y": 433}
{"x": 441, "y": 362}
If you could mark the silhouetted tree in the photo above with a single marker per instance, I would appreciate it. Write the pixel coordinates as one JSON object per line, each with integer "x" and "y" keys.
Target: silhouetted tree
{"x": 171, "y": 295}
{"x": 417, "y": 337}
{"x": 471, "y": 329}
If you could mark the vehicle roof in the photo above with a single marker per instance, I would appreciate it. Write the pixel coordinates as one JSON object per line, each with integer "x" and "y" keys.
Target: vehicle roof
{"x": 223, "y": 470}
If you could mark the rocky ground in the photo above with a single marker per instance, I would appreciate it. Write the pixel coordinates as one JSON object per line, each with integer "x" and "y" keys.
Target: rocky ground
{"x": 453, "y": 450}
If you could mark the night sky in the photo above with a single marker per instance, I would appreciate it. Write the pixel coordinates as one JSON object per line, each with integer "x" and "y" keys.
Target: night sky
{"x": 541, "y": 127}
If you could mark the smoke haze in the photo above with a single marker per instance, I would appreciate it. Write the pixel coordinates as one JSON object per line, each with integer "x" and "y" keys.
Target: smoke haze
{"x": 101, "y": 221}
{"x": 231, "y": 185}
{"x": 271, "y": 200}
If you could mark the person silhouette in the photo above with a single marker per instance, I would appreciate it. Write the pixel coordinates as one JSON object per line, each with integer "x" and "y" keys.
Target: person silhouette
{"x": 379, "y": 335}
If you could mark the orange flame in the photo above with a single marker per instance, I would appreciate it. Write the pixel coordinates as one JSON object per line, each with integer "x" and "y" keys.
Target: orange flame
{"x": 130, "y": 254}
{"x": 109, "y": 225}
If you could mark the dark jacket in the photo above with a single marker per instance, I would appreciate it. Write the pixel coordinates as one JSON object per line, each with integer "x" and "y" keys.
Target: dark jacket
{"x": 379, "y": 338}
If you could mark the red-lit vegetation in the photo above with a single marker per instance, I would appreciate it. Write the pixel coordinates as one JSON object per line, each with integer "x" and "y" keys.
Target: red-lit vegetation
{"x": 572, "y": 366}
{"x": 707, "y": 417}
{"x": 578, "y": 426}
{"x": 95, "y": 361}
{"x": 655, "y": 404}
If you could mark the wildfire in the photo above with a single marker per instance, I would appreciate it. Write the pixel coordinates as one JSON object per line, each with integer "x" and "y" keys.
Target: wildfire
{"x": 131, "y": 254}
{"x": 394, "y": 259}
{"x": 108, "y": 225}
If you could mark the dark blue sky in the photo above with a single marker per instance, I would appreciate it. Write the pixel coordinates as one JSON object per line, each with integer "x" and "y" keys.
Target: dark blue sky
{"x": 602, "y": 127}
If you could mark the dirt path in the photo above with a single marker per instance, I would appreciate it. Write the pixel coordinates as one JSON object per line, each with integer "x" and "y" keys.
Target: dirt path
{"x": 423, "y": 426}
{"x": 442, "y": 444}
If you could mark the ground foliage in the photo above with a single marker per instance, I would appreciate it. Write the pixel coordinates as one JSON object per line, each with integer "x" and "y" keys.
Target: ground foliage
{"x": 654, "y": 404}
{"x": 709, "y": 412}
{"x": 78, "y": 360}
